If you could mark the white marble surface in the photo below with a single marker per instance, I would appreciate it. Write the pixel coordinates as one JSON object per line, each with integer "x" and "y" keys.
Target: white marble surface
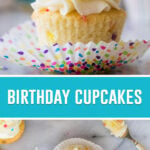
{"x": 50, "y": 133}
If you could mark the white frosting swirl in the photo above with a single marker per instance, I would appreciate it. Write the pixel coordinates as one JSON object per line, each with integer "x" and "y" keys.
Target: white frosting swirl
{"x": 83, "y": 7}
{"x": 9, "y": 128}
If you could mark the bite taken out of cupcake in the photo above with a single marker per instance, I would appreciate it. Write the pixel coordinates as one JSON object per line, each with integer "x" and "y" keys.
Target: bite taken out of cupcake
{"x": 11, "y": 131}
{"x": 63, "y": 21}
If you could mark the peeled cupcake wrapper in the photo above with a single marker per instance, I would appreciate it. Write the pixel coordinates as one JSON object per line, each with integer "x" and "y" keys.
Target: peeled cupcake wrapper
{"x": 20, "y": 46}
{"x": 77, "y": 141}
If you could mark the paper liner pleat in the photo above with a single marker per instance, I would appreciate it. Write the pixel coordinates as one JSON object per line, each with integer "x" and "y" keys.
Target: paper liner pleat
{"x": 20, "y": 46}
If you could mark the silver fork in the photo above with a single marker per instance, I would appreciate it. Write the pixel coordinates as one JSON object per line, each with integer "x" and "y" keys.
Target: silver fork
{"x": 137, "y": 144}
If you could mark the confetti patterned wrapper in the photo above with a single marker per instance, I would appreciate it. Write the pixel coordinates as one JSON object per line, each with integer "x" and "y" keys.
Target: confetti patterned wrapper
{"x": 20, "y": 46}
{"x": 77, "y": 141}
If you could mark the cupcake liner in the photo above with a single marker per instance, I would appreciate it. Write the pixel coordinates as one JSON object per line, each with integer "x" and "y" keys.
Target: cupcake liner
{"x": 77, "y": 141}
{"x": 20, "y": 46}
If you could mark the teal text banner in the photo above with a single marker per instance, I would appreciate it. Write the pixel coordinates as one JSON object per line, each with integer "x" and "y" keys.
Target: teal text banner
{"x": 75, "y": 97}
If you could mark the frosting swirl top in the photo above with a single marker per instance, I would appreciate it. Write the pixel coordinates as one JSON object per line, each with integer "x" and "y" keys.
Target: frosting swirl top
{"x": 9, "y": 128}
{"x": 83, "y": 7}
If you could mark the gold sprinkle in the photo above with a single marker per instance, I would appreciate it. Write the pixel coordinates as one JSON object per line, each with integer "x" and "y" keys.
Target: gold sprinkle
{"x": 50, "y": 37}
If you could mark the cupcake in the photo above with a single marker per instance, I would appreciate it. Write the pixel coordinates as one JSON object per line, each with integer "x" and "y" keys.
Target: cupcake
{"x": 118, "y": 128}
{"x": 77, "y": 144}
{"x": 63, "y": 21}
{"x": 11, "y": 131}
